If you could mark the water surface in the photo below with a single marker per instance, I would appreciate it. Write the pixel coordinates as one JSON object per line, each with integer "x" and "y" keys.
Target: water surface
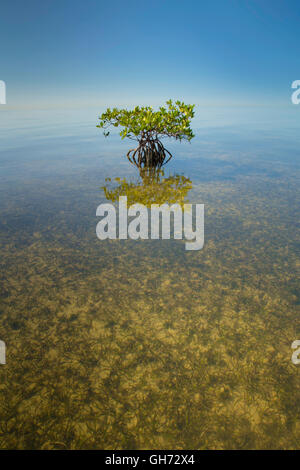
{"x": 142, "y": 344}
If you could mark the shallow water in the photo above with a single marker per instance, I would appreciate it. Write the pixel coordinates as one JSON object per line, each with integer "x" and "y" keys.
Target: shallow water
{"x": 142, "y": 344}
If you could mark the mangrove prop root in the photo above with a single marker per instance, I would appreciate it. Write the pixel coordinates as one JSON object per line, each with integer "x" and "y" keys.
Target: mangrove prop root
{"x": 149, "y": 153}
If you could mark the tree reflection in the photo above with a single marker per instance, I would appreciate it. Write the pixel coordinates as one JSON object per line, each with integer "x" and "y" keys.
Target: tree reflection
{"x": 153, "y": 187}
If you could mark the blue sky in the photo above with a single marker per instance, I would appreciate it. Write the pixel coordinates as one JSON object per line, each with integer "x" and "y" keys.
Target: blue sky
{"x": 122, "y": 53}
